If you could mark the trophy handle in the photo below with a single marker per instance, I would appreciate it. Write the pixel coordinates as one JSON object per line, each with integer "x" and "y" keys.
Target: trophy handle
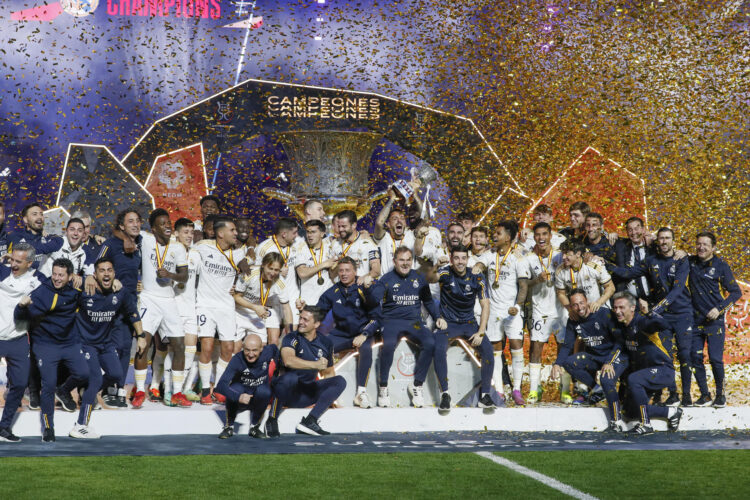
{"x": 377, "y": 196}
{"x": 279, "y": 194}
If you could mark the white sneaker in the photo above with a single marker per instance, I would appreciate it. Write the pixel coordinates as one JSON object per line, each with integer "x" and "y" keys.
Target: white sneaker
{"x": 362, "y": 400}
{"x": 83, "y": 432}
{"x": 415, "y": 392}
{"x": 384, "y": 401}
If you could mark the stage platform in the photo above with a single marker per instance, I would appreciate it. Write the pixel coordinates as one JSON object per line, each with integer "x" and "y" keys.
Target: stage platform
{"x": 156, "y": 419}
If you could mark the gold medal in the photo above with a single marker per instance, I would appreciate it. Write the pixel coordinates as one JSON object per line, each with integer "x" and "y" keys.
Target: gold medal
{"x": 496, "y": 285}
{"x": 181, "y": 286}
{"x": 321, "y": 280}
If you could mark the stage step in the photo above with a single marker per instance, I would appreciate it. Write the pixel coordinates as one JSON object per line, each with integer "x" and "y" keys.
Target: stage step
{"x": 156, "y": 419}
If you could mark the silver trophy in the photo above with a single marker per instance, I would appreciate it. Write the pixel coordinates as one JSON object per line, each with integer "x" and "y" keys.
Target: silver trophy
{"x": 422, "y": 176}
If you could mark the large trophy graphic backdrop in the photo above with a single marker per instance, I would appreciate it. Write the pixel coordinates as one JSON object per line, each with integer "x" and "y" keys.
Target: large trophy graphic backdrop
{"x": 328, "y": 166}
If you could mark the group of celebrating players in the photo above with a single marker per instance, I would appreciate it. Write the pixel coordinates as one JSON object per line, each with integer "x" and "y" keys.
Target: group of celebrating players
{"x": 72, "y": 306}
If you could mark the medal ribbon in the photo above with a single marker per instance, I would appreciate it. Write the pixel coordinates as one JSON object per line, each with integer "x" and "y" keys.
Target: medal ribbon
{"x": 160, "y": 258}
{"x": 499, "y": 265}
{"x": 312, "y": 252}
{"x": 230, "y": 257}
{"x": 350, "y": 245}
{"x": 288, "y": 249}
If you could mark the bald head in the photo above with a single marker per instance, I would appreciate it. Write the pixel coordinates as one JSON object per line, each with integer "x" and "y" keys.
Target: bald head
{"x": 252, "y": 347}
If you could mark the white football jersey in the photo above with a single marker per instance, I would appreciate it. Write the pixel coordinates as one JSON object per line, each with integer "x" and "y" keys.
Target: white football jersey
{"x": 250, "y": 288}
{"x": 590, "y": 277}
{"x": 218, "y": 270}
{"x": 388, "y": 245}
{"x": 310, "y": 289}
{"x": 171, "y": 256}
{"x": 185, "y": 292}
{"x": 544, "y": 301}
{"x": 362, "y": 250}
{"x": 503, "y": 270}
{"x": 556, "y": 240}
{"x": 12, "y": 289}
{"x": 288, "y": 253}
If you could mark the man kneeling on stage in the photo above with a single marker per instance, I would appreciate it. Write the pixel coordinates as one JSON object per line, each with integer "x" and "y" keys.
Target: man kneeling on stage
{"x": 304, "y": 353}
{"x": 246, "y": 383}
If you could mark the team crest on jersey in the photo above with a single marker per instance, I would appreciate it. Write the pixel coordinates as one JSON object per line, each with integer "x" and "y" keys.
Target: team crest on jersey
{"x": 39, "y": 362}
{"x": 596, "y": 325}
{"x": 88, "y": 355}
{"x": 711, "y": 271}
{"x": 415, "y": 284}
{"x": 265, "y": 365}
{"x": 114, "y": 300}
{"x": 356, "y": 303}
{"x": 320, "y": 353}
{"x": 467, "y": 287}
{"x": 672, "y": 269}
{"x": 90, "y": 303}
{"x": 395, "y": 286}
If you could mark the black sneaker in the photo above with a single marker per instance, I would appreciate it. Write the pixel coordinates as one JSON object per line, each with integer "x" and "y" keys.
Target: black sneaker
{"x": 720, "y": 401}
{"x": 445, "y": 404}
{"x": 641, "y": 429}
{"x": 486, "y": 401}
{"x": 272, "y": 428}
{"x": 7, "y": 436}
{"x": 33, "y": 400}
{"x": 120, "y": 402}
{"x": 309, "y": 425}
{"x": 687, "y": 400}
{"x": 227, "y": 432}
{"x": 49, "y": 435}
{"x": 66, "y": 400}
{"x": 672, "y": 400}
{"x": 110, "y": 400}
{"x": 705, "y": 400}
{"x": 255, "y": 432}
{"x": 673, "y": 422}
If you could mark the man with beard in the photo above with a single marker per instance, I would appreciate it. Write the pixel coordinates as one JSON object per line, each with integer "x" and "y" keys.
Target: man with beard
{"x": 541, "y": 213}
{"x": 351, "y": 243}
{"x": 666, "y": 278}
{"x": 595, "y": 241}
{"x": 577, "y": 229}
{"x": 93, "y": 326}
{"x": 603, "y": 350}
{"x": 245, "y": 238}
{"x": 391, "y": 232}
{"x": 210, "y": 206}
{"x": 33, "y": 234}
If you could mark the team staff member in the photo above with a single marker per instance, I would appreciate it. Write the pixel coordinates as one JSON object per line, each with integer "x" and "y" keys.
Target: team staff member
{"x": 649, "y": 344}
{"x": 246, "y": 383}
{"x": 124, "y": 248}
{"x": 52, "y": 307}
{"x": 459, "y": 290}
{"x": 714, "y": 290}
{"x": 668, "y": 296}
{"x": 401, "y": 294}
{"x": 596, "y": 240}
{"x": 603, "y": 350}
{"x": 354, "y": 324}
{"x": 93, "y": 326}
{"x": 90, "y": 244}
{"x": 16, "y": 281}
{"x": 304, "y": 354}
{"x": 71, "y": 249}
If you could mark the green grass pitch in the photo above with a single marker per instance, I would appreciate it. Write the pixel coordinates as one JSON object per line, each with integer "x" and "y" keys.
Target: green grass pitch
{"x": 603, "y": 474}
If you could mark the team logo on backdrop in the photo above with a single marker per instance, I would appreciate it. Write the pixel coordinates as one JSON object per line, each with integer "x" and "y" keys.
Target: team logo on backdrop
{"x": 406, "y": 364}
{"x": 224, "y": 113}
{"x": 79, "y": 8}
{"x": 172, "y": 174}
